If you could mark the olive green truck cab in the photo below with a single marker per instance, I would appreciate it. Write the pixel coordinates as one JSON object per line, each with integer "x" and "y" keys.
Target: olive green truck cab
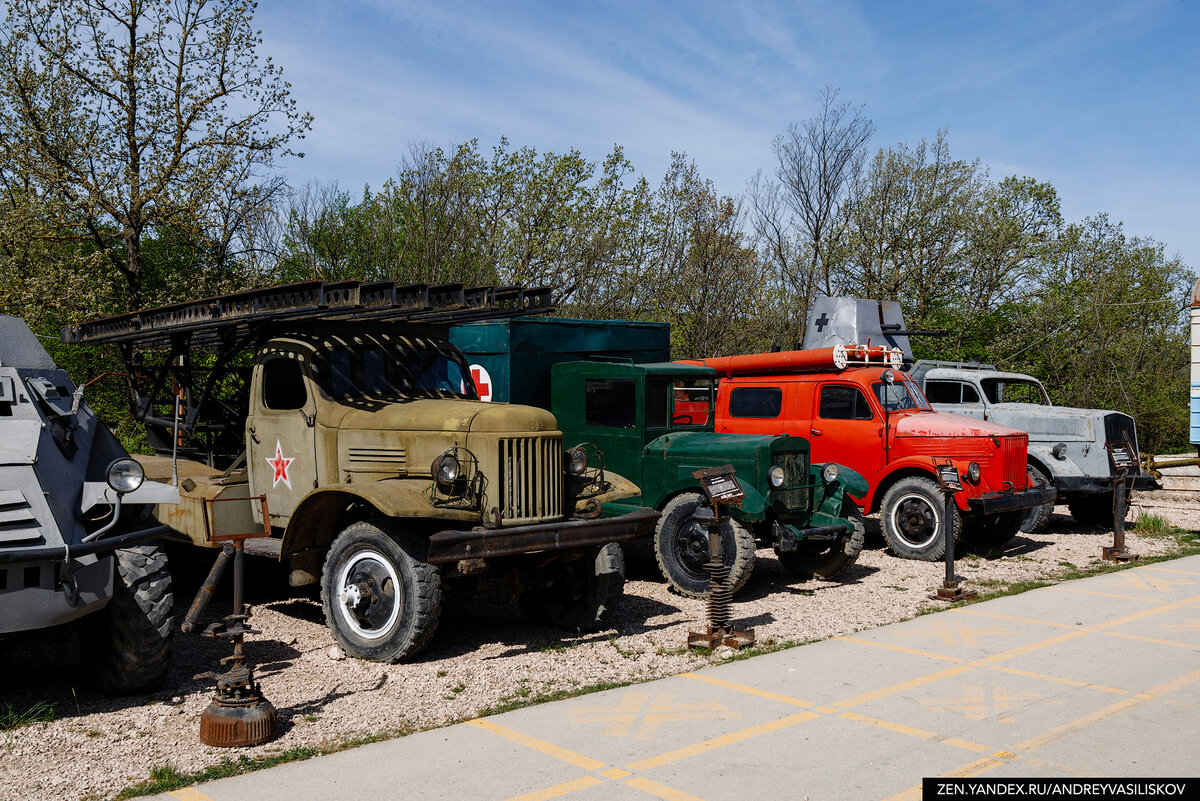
{"x": 652, "y": 423}
{"x": 369, "y": 458}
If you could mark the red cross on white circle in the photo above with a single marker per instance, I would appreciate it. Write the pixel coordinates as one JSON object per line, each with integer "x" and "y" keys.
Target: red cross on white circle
{"x": 483, "y": 381}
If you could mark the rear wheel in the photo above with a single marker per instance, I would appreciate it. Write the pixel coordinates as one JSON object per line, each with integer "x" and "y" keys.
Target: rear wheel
{"x": 127, "y": 645}
{"x": 681, "y": 547}
{"x": 829, "y": 559}
{"x": 1037, "y": 517}
{"x": 912, "y": 512}
{"x": 382, "y": 600}
{"x": 579, "y": 594}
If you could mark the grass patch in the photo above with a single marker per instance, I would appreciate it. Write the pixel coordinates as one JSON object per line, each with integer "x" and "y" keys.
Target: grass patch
{"x": 11, "y": 718}
{"x": 510, "y": 702}
{"x": 167, "y": 777}
{"x": 1154, "y": 526}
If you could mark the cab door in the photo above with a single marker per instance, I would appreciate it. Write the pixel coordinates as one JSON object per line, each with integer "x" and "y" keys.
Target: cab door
{"x": 846, "y": 428}
{"x": 281, "y": 436}
{"x": 754, "y": 409}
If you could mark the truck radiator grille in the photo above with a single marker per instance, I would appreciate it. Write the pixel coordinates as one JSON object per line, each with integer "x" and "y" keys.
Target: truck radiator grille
{"x": 795, "y": 474}
{"x": 1014, "y": 457}
{"x": 531, "y": 479}
{"x": 1120, "y": 427}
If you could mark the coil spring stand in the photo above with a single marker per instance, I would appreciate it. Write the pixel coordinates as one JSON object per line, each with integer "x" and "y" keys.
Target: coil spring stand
{"x": 238, "y": 715}
{"x": 720, "y": 594}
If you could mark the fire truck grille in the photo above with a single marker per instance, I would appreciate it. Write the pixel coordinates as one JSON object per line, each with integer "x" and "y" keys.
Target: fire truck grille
{"x": 1119, "y": 428}
{"x": 531, "y": 480}
{"x": 795, "y": 474}
{"x": 1014, "y": 460}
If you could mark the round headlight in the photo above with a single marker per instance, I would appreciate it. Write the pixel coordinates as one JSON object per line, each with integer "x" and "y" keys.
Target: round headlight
{"x": 830, "y": 472}
{"x": 973, "y": 472}
{"x": 775, "y": 476}
{"x": 1059, "y": 451}
{"x": 577, "y": 461}
{"x": 125, "y": 475}
{"x": 446, "y": 470}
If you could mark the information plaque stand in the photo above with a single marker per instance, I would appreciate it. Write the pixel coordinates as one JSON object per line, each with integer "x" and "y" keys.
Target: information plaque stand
{"x": 1124, "y": 465}
{"x": 721, "y": 489}
{"x": 950, "y": 482}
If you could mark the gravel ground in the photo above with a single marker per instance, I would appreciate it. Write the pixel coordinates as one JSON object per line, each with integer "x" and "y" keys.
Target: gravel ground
{"x": 482, "y": 655}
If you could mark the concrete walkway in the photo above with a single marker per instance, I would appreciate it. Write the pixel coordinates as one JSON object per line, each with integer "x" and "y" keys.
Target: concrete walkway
{"x": 1096, "y": 677}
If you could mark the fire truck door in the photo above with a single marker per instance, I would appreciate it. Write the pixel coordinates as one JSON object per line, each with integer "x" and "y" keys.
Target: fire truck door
{"x": 281, "y": 437}
{"x": 846, "y": 429}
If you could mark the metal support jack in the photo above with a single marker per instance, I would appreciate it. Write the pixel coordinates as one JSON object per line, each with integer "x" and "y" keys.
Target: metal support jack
{"x": 721, "y": 489}
{"x": 1121, "y": 457}
{"x": 950, "y": 482}
{"x": 238, "y": 715}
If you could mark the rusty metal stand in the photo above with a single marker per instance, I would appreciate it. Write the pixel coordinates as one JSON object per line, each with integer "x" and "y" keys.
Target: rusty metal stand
{"x": 719, "y": 630}
{"x": 238, "y": 715}
{"x": 951, "y": 589}
{"x": 1118, "y": 552}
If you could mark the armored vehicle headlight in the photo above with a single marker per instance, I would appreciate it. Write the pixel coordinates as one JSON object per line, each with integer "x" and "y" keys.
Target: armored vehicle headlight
{"x": 124, "y": 474}
{"x": 973, "y": 472}
{"x": 830, "y": 472}
{"x": 577, "y": 461}
{"x": 446, "y": 470}
{"x": 1059, "y": 451}
{"x": 775, "y": 476}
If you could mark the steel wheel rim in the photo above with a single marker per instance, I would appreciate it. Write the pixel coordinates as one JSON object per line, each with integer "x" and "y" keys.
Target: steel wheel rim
{"x": 911, "y": 514}
{"x": 691, "y": 546}
{"x": 374, "y": 615}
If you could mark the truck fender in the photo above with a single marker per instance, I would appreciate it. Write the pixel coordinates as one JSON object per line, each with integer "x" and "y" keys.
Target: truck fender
{"x": 1040, "y": 455}
{"x": 903, "y": 468}
{"x": 315, "y": 522}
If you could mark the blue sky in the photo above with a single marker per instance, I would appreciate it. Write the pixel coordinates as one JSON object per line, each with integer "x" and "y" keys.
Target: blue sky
{"x": 1100, "y": 99}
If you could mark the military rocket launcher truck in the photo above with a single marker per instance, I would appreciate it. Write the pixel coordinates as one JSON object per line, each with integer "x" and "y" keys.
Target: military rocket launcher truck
{"x": 337, "y": 418}
{"x": 72, "y": 544}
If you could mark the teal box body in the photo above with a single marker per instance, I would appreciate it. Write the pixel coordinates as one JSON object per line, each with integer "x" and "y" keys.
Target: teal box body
{"x": 516, "y": 354}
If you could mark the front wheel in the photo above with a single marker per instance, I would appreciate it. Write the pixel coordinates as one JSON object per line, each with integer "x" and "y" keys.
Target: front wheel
{"x": 681, "y": 547}
{"x": 579, "y": 594}
{"x": 912, "y": 512}
{"x": 829, "y": 559}
{"x": 127, "y": 645}
{"x": 381, "y": 599}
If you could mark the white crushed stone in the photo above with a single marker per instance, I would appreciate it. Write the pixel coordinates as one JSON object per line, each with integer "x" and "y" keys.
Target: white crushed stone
{"x": 482, "y": 655}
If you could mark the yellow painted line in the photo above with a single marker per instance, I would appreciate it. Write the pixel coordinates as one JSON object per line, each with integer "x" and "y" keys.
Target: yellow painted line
{"x": 1033, "y": 646}
{"x": 559, "y": 789}
{"x": 1059, "y": 679}
{"x": 901, "y": 649}
{"x": 1108, "y": 594}
{"x": 1145, "y": 613}
{"x": 905, "y": 685}
{"x": 1145, "y": 697}
{"x": 718, "y": 742}
{"x": 742, "y": 688}
{"x": 827, "y": 710}
{"x": 1013, "y": 618}
{"x": 1076, "y": 725}
{"x": 1167, "y": 570}
{"x": 1192, "y": 646}
{"x": 1175, "y": 684}
{"x": 1005, "y": 755}
{"x": 900, "y": 728}
{"x": 537, "y": 745}
{"x": 661, "y": 790}
{"x": 911, "y": 794}
{"x": 614, "y": 773}
{"x": 189, "y": 794}
{"x": 976, "y": 768}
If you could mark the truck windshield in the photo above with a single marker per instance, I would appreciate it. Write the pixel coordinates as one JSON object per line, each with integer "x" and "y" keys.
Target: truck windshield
{"x": 395, "y": 367}
{"x": 678, "y": 403}
{"x": 900, "y": 396}
{"x": 1014, "y": 390}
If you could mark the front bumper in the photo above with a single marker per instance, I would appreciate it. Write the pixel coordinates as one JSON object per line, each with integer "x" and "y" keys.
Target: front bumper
{"x": 994, "y": 502}
{"x": 485, "y": 543}
{"x": 1095, "y": 485}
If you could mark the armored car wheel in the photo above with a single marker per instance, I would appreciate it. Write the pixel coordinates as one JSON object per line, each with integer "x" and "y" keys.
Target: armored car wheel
{"x": 681, "y": 547}
{"x": 579, "y": 594}
{"x": 1038, "y": 516}
{"x": 911, "y": 513}
{"x": 381, "y": 598}
{"x": 829, "y": 559}
{"x": 127, "y": 645}
{"x": 1093, "y": 510}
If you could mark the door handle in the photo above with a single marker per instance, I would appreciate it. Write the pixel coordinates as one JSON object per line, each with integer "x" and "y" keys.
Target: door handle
{"x": 251, "y": 430}
{"x": 814, "y": 432}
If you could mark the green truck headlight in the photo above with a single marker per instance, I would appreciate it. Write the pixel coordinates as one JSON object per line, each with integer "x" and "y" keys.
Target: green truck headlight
{"x": 775, "y": 476}
{"x": 830, "y": 472}
{"x": 124, "y": 474}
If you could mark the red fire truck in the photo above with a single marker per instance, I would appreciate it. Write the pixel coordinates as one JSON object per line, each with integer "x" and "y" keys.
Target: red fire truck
{"x": 855, "y": 406}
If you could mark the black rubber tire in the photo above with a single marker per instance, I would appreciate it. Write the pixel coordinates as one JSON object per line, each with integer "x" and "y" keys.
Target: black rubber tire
{"x": 1093, "y": 510}
{"x": 581, "y": 593}
{"x": 829, "y": 560}
{"x": 1038, "y": 517}
{"x": 991, "y": 531}
{"x": 401, "y": 593}
{"x": 911, "y": 516}
{"x": 126, "y": 647}
{"x": 681, "y": 547}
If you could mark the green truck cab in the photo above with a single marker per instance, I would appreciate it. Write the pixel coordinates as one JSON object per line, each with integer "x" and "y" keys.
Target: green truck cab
{"x": 652, "y": 423}
{"x": 338, "y": 420}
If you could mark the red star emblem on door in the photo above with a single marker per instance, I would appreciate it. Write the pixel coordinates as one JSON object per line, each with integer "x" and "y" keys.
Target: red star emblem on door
{"x": 280, "y": 465}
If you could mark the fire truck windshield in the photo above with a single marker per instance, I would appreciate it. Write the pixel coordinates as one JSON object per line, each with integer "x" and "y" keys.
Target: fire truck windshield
{"x": 900, "y": 396}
